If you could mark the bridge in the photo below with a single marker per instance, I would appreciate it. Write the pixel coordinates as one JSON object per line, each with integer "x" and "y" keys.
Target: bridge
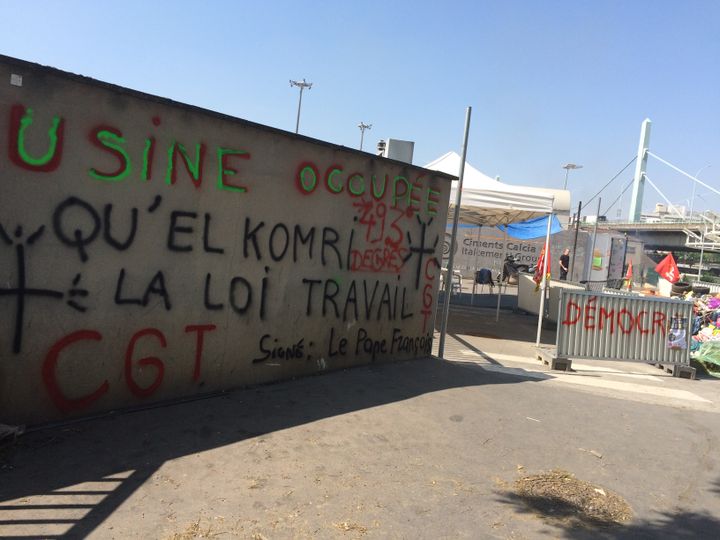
{"x": 694, "y": 234}
{"x": 665, "y": 231}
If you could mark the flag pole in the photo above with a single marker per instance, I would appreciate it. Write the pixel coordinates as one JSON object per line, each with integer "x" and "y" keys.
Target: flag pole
{"x": 543, "y": 284}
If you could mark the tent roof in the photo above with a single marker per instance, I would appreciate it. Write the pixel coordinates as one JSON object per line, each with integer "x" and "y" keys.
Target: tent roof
{"x": 450, "y": 163}
{"x": 486, "y": 201}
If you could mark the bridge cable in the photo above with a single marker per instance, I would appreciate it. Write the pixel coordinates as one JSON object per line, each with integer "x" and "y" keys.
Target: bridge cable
{"x": 670, "y": 205}
{"x": 610, "y": 181}
{"x": 618, "y": 197}
{"x": 683, "y": 172}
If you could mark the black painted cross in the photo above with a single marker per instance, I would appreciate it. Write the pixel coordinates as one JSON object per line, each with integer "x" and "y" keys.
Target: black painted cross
{"x": 22, "y": 291}
{"x": 421, "y": 250}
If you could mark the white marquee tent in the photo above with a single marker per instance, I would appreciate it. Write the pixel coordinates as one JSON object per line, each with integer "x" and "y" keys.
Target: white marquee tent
{"x": 485, "y": 201}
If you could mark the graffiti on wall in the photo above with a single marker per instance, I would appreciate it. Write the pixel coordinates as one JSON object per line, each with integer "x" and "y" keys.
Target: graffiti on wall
{"x": 379, "y": 267}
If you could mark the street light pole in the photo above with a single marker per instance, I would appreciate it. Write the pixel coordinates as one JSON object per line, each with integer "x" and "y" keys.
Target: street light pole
{"x": 692, "y": 199}
{"x": 302, "y": 85}
{"x": 567, "y": 168}
{"x": 363, "y": 127}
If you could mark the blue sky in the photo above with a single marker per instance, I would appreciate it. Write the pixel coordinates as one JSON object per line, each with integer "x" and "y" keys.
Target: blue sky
{"x": 550, "y": 81}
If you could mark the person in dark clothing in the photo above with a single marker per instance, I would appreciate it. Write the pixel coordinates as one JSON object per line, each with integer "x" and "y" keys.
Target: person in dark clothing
{"x": 564, "y": 263}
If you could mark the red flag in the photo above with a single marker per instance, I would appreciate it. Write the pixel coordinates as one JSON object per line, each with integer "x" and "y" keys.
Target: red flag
{"x": 628, "y": 276}
{"x": 537, "y": 277}
{"x": 667, "y": 269}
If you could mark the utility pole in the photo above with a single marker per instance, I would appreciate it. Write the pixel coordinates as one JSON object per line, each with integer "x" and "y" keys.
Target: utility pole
{"x": 302, "y": 85}
{"x": 363, "y": 127}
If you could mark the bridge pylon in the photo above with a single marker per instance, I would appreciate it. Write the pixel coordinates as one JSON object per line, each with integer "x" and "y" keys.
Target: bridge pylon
{"x": 640, "y": 166}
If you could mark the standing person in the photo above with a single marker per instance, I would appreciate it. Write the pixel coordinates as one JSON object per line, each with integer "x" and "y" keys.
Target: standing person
{"x": 564, "y": 263}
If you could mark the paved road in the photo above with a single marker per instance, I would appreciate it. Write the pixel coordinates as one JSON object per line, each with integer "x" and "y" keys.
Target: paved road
{"x": 423, "y": 449}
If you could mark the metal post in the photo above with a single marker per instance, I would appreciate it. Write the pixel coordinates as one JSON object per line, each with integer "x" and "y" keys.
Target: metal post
{"x": 625, "y": 258}
{"x": 297, "y": 123}
{"x": 472, "y": 300}
{"x": 577, "y": 230}
{"x": 567, "y": 168}
{"x": 702, "y": 251}
{"x": 497, "y": 309}
{"x": 363, "y": 127}
{"x": 640, "y": 167}
{"x": 543, "y": 283}
{"x": 302, "y": 85}
{"x": 448, "y": 278}
{"x": 588, "y": 267}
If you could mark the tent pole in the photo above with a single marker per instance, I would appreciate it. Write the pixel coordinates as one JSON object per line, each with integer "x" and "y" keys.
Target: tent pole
{"x": 543, "y": 284}
{"x": 472, "y": 302}
{"x": 453, "y": 239}
{"x": 497, "y": 309}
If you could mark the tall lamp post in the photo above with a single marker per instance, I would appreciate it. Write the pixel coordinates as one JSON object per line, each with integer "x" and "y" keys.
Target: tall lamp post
{"x": 692, "y": 199}
{"x": 302, "y": 85}
{"x": 568, "y": 167}
{"x": 363, "y": 127}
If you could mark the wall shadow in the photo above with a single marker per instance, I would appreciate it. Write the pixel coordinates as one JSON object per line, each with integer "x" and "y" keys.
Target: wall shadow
{"x": 84, "y": 470}
{"x": 473, "y": 348}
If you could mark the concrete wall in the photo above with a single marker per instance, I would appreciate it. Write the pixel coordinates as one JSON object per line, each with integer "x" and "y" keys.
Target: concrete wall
{"x": 151, "y": 250}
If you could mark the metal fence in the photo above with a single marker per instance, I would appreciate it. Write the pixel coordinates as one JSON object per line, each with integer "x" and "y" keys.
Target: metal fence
{"x": 623, "y": 327}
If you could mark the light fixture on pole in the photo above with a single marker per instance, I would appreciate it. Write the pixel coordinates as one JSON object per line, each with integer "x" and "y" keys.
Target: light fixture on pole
{"x": 302, "y": 85}
{"x": 363, "y": 127}
{"x": 692, "y": 199}
{"x": 567, "y": 168}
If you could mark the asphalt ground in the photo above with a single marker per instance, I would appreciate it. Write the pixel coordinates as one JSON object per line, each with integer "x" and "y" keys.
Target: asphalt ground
{"x": 420, "y": 449}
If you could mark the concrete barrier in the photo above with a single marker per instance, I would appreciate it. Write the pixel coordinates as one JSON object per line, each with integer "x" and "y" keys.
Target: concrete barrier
{"x": 151, "y": 250}
{"x": 529, "y": 295}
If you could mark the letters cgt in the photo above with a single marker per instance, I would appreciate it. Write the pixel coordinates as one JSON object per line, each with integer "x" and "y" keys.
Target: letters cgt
{"x": 151, "y": 250}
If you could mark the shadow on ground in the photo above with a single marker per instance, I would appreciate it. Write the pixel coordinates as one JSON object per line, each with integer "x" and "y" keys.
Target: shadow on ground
{"x": 480, "y": 322}
{"x": 570, "y": 521}
{"x": 96, "y": 465}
